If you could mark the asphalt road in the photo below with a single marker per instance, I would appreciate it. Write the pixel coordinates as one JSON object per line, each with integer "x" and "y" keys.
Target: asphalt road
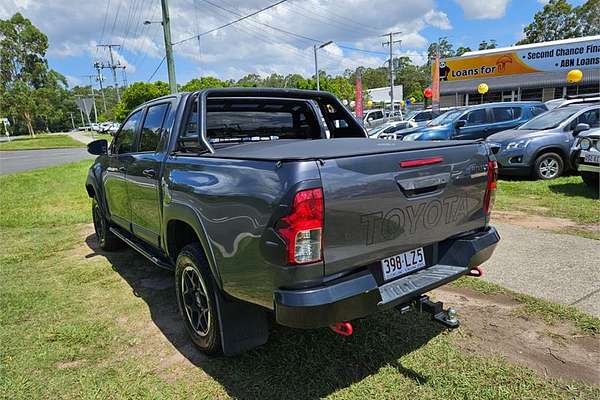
{"x": 23, "y": 160}
{"x": 551, "y": 266}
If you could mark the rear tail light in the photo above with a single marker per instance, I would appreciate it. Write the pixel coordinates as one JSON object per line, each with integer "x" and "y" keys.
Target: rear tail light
{"x": 302, "y": 229}
{"x": 490, "y": 191}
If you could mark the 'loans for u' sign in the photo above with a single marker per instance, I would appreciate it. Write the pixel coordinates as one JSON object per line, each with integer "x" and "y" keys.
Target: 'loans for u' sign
{"x": 562, "y": 55}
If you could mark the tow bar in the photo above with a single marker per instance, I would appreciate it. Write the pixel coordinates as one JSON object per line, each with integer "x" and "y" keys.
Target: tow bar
{"x": 342, "y": 328}
{"x": 436, "y": 309}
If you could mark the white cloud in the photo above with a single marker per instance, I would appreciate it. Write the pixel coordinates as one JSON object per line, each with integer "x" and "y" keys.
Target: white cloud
{"x": 75, "y": 27}
{"x": 438, "y": 19}
{"x": 483, "y": 9}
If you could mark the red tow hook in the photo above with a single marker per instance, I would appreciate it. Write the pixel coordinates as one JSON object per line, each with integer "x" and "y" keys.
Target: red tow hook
{"x": 342, "y": 328}
{"x": 477, "y": 272}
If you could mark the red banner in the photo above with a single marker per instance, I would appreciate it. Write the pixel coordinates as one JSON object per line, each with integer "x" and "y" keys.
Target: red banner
{"x": 435, "y": 84}
{"x": 358, "y": 104}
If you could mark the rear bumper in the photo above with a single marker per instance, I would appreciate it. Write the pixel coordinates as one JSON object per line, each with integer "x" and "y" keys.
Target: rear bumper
{"x": 359, "y": 294}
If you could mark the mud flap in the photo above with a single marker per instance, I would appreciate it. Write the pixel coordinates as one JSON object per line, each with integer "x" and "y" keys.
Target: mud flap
{"x": 244, "y": 326}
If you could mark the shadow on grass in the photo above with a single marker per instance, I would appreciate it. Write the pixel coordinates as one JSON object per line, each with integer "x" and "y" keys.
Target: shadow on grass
{"x": 573, "y": 190}
{"x": 295, "y": 364}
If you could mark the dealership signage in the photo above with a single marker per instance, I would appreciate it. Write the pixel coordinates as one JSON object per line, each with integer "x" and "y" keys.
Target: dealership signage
{"x": 584, "y": 54}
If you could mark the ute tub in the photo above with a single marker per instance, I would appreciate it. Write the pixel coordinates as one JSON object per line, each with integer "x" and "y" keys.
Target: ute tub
{"x": 359, "y": 294}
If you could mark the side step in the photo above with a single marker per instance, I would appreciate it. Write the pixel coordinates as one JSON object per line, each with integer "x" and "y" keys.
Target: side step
{"x": 140, "y": 249}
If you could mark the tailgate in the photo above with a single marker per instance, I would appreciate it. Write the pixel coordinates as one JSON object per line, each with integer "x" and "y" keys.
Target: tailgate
{"x": 374, "y": 208}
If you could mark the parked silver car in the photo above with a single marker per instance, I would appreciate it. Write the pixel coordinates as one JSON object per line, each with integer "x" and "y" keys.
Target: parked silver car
{"x": 585, "y": 157}
{"x": 541, "y": 146}
{"x": 388, "y": 130}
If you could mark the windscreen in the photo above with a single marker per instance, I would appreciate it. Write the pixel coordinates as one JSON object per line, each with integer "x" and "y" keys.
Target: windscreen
{"x": 549, "y": 120}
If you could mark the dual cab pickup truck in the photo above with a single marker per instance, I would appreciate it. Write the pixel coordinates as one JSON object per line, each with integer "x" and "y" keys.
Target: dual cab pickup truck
{"x": 275, "y": 201}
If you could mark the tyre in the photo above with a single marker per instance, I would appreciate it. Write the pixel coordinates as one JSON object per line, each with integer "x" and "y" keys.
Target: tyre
{"x": 548, "y": 166}
{"x": 196, "y": 299}
{"x": 591, "y": 179}
{"x": 107, "y": 240}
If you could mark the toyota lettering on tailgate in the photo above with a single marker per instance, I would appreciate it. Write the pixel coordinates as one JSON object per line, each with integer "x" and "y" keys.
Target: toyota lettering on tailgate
{"x": 381, "y": 226}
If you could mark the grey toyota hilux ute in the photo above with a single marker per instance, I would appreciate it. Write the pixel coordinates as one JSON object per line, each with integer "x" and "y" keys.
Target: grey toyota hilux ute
{"x": 275, "y": 201}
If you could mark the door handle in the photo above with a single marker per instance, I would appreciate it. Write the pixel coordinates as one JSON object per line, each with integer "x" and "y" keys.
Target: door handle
{"x": 149, "y": 173}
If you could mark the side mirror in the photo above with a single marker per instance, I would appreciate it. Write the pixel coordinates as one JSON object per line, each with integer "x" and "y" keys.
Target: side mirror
{"x": 460, "y": 123}
{"x": 580, "y": 128}
{"x": 370, "y": 119}
{"x": 98, "y": 147}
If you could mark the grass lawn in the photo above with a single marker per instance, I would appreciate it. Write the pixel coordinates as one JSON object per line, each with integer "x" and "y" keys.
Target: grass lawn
{"x": 41, "y": 142}
{"x": 78, "y": 324}
{"x": 566, "y": 197}
{"x": 107, "y": 136}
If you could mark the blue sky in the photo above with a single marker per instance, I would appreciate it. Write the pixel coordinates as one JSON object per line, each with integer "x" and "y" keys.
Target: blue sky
{"x": 75, "y": 28}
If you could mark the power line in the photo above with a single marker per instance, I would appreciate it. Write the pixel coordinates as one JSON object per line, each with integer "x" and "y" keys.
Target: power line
{"x": 229, "y": 23}
{"x": 297, "y": 35}
{"x": 104, "y": 23}
{"x": 157, "y": 68}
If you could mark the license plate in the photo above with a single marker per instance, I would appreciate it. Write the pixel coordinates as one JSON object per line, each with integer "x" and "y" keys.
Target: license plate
{"x": 401, "y": 263}
{"x": 592, "y": 158}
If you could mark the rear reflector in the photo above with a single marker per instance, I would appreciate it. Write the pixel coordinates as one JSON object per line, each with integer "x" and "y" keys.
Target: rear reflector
{"x": 302, "y": 229}
{"x": 421, "y": 161}
{"x": 490, "y": 191}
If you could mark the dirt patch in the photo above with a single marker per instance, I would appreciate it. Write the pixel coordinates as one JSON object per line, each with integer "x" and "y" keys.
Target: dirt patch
{"x": 534, "y": 221}
{"x": 69, "y": 364}
{"x": 488, "y": 326}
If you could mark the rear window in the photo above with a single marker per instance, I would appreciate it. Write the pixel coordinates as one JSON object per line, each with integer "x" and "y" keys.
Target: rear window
{"x": 423, "y": 116}
{"x": 502, "y": 114}
{"x": 245, "y": 120}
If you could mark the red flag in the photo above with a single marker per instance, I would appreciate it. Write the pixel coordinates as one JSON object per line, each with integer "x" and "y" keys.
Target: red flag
{"x": 435, "y": 84}
{"x": 358, "y": 103}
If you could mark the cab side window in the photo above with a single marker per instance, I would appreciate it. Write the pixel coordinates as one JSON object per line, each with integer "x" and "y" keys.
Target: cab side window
{"x": 590, "y": 117}
{"x": 151, "y": 128}
{"x": 475, "y": 117}
{"x": 125, "y": 141}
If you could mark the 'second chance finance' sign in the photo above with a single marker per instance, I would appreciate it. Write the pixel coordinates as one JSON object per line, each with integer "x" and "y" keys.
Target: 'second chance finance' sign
{"x": 583, "y": 55}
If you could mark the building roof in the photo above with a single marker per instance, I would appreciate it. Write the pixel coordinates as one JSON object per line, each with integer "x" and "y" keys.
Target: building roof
{"x": 529, "y": 46}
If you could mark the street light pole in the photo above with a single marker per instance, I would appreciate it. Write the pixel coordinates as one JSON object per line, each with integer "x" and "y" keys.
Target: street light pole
{"x": 315, "y": 48}
{"x": 391, "y": 44}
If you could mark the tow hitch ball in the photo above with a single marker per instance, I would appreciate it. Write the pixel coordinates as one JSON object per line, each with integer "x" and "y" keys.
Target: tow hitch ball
{"x": 436, "y": 309}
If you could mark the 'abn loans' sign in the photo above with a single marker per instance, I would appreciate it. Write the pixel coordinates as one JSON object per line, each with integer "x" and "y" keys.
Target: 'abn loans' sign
{"x": 583, "y": 54}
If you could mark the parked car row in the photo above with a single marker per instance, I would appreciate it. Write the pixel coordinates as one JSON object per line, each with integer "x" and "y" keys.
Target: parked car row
{"x": 528, "y": 138}
{"x": 542, "y": 146}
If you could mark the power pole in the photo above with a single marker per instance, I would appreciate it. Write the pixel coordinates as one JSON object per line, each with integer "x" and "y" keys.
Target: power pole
{"x": 93, "y": 96}
{"x": 100, "y": 78}
{"x": 166, "y": 23}
{"x": 113, "y": 66}
{"x": 391, "y": 43}
{"x": 72, "y": 121}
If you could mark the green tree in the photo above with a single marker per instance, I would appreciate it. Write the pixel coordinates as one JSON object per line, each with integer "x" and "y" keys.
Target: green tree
{"x": 485, "y": 45}
{"x": 138, "y": 93}
{"x": 205, "y": 82}
{"x": 23, "y": 70}
{"x": 462, "y": 50}
{"x": 445, "y": 49}
{"x": 588, "y": 16}
{"x": 557, "y": 20}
